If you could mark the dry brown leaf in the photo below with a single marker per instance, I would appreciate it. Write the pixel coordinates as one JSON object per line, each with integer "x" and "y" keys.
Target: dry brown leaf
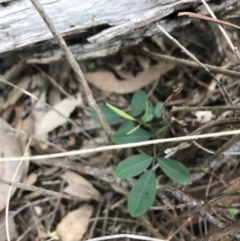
{"x": 31, "y": 179}
{"x": 52, "y": 119}
{"x": 80, "y": 187}
{"x": 54, "y": 97}
{"x": 27, "y": 126}
{"x": 106, "y": 81}
{"x": 116, "y": 187}
{"x": 10, "y": 146}
{"x": 102, "y": 159}
{"x": 15, "y": 94}
{"x": 75, "y": 224}
{"x": 12, "y": 227}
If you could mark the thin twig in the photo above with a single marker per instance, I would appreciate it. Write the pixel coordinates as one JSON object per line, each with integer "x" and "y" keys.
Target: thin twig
{"x": 46, "y": 104}
{"x": 219, "y": 26}
{"x": 184, "y": 145}
{"x": 174, "y": 93}
{"x": 129, "y": 236}
{"x": 223, "y": 91}
{"x": 207, "y": 108}
{"x": 36, "y": 138}
{"x": 36, "y": 189}
{"x": 73, "y": 63}
{"x": 202, "y": 148}
{"x": 124, "y": 146}
{"x": 10, "y": 190}
{"x": 199, "y": 204}
{"x": 213, "y": 69}
{"x": 53, "y": 81}
{"x": 234, "y": 49}
{"x": 214, "y": 20}
{"x": 222, "y": 149}
{"x": 230, "y": 229}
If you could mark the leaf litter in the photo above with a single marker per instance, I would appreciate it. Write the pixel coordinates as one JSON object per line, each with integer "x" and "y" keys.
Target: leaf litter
{"x": 114, "y": 79}
{"x": 80, "y": 187}
{"x": 10, "y": 146}
{"x": 107, "y": 81}
{"x": 74, "y": 225}
{"x": 57, "y": 116}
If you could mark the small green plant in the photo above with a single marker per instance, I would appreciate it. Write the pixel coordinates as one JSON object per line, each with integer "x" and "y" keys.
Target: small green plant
{"x": 136, "y": 128}
{"x": 91, "y": 66}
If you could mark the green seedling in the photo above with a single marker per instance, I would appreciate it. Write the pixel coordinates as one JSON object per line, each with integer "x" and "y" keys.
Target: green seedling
{"x": 137, "y": 127}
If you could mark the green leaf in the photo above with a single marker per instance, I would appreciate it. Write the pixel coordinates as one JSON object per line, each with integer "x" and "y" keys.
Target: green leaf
{"x": 145, "y": 113}
{"x": 138, "y": 103}
{"x": 134, "y": 129}
{"x": 149, "y": 117}
{"x": 121, "y": 137}
{"x": 133, "y": 166}
{"x": 142, "y": 195}
{"x": 174, "y": 170}
{"x": 110, "y": 116}
{"x": 150, "y": 106}
{"x": 158, "y": 109}
{"x": 91, "y": 66}
{"x": 125, "y": 127}
{"x": 158, "y": 130}
{"x": 120, "y": 112}
{"x": 233, "y": 213}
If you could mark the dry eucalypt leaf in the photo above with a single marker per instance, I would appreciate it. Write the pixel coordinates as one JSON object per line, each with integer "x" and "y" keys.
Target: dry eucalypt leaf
{"x": 15, "y": 94}
{"x": 107, "y": 81}
{"x": 53, "y": 119}
{"x": 75, "y": 224}
{"x": 80, "y": 187}
{"x": 10, "y": 146}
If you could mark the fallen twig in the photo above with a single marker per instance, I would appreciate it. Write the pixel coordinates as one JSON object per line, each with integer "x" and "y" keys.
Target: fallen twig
{"x": 37, "y": 189}
{"x": 213, "y": 69}
{"x": 203, "y": 17}
{"x": 207, "y": 108}
{"x": 230, "y": 229}
{"x": 220, "y": 86}
{"x": 124, "y": 146}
